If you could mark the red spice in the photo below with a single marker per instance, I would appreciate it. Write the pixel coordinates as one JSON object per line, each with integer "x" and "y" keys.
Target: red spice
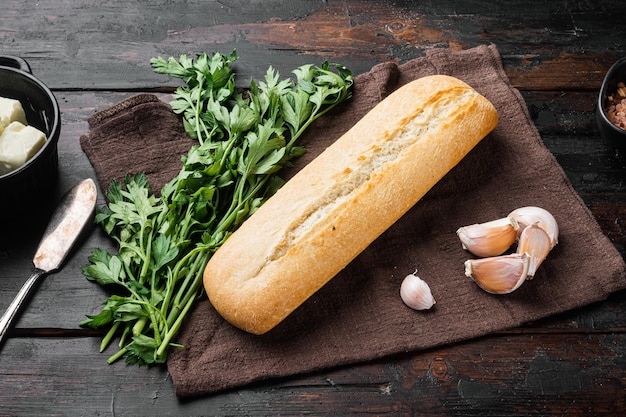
{"x": 616, "y": 107}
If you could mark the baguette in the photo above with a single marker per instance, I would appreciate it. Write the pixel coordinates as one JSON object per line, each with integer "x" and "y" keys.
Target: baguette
{"x": 332, "y": 209}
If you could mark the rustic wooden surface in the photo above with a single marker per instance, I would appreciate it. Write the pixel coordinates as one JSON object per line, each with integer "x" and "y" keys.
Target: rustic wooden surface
{"x": 94, "y": 54}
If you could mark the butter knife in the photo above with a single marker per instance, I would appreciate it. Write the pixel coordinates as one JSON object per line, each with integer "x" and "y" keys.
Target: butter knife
{"x": 66, "y": 224}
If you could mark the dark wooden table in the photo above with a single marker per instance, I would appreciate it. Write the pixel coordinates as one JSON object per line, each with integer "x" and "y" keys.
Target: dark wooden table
{"x": 94, "y": 54}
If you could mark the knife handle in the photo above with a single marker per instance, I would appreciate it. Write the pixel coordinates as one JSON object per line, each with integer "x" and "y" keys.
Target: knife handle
{"x": 18, "y": 301}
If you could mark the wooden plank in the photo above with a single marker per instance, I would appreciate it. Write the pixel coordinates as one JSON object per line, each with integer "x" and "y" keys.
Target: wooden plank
{"x": 90, "y": 46}
{"x": 514, "y": 375}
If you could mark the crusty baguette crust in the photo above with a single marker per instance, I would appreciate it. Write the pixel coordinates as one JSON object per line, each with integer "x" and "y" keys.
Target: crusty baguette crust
{"x": 331, "y": 210}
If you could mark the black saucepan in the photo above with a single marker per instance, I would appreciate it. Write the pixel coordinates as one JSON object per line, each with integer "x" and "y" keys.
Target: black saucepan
{"x": 25, "y": 192}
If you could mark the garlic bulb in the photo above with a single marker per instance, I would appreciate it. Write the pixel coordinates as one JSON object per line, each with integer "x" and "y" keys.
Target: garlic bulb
{"x": 526, "y": 216}
{"x": 489, "y": 239}
{"x": 499, "y": 274}
{"x": 415, "y": 293}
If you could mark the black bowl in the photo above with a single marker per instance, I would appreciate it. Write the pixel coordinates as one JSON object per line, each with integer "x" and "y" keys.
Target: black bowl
{"x": 25, "y": 191}
{"x": 615, "y": 136}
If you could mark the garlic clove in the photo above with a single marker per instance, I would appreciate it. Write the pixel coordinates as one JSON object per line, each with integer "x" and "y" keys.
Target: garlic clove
{"x": 415, "y": 293}
{"x": 528, "y": 215}
{"x": 535, "y": 242}
{"x": 489, "y": 239}
{"x": 499, "y": 274}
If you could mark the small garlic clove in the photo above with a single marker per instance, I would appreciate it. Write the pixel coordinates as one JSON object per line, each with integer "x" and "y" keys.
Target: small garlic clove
{"x": 415, "y": 293}
{"x": 535, "y": 242}
{"x": 489, "y": 239}
{"x": 499, "y": 274}
{"x": 528, "y": 215}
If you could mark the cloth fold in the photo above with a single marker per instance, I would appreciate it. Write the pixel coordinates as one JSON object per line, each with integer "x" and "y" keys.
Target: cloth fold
{"x": 358, "y": 316}
{"x": 138, "y": 135}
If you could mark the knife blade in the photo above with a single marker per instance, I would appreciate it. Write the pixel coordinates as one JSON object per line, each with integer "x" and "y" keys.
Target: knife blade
{"x": 66, "y": 224}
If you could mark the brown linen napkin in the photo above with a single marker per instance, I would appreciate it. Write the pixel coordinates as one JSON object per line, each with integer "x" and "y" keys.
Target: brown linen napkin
{"x": 138, "y": 135}
{"x": 359, "y": 316}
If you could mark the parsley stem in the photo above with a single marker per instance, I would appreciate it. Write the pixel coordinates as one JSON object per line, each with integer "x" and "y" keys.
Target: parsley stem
{"x": 194, "y": 274}
{"x": 124, "y": 336}
{"x": 120, "y": 353}
{"x": 197, "y": 111}
{"x": 155, "y": 327}
{"x": 139, "y": 325}
{"x": 165, "y": 308}
{"x": 146, "y": 250}
{"x": 229, "y": 218}
{"x": 174, "y": 329}
{"x": 109, "y": 336}
{"x": 232, "y": 140}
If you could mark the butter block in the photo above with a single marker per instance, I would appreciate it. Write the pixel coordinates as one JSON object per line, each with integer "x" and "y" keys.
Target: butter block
{"x": 18, "y": 143}
{"x": 11, "y": 111}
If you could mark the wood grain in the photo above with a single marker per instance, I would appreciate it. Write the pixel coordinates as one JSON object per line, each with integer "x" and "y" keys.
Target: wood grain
{"x": 93, "y": 55}
{"x": 85, "y": 45}
{"x": 514, "y": 375}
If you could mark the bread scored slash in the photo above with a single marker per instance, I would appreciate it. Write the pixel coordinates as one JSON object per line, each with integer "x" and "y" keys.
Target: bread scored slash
{"x": 332, "y": 209}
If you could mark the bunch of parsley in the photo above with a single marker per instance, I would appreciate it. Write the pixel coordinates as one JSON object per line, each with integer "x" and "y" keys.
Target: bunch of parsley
{"x": 244, "y": 139}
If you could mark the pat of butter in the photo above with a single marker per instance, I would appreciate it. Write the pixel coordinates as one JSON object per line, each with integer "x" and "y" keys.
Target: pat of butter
{"x": 11, "y": 111}
{"x": 18, "y": 143}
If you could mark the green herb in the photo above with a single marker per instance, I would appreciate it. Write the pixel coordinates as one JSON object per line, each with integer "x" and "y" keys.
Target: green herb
{"x": 244, "y": 139}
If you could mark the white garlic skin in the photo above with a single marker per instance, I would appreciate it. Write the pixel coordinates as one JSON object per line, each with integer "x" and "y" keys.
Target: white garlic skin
{"x": 491, "y": 238}
{"x": 415, "y": 293}
{"x": 499, "y": 274}
{"x": 528, "y": 215}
